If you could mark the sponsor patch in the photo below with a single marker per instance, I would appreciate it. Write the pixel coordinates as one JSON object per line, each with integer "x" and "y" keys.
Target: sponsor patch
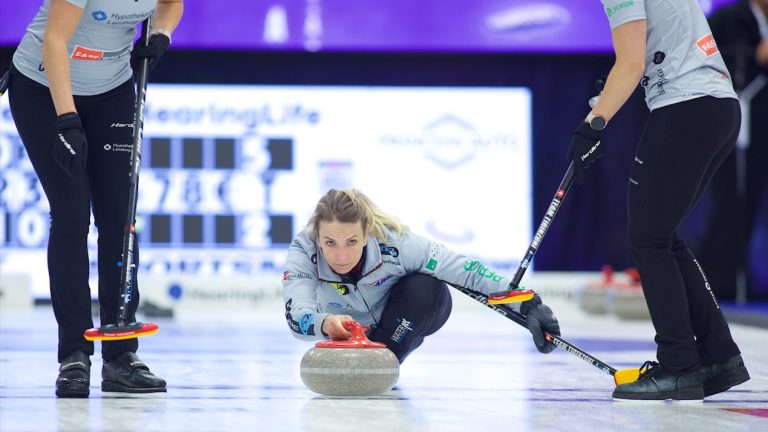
{"x": 389, "y": 250}
{"x": 294, "y": 276}
{"x": 435, "y": 256}
{"x": 91, "y": 54}
{"x": 478, "y": 267}
{"x": 383, "y": 280}
{"x": 83, "y": 53}
{"x": 707, "y": 45}
{"x": 340, "y": 288}
{"x": 403, "y": 328}
{"x": 305, "y": 325}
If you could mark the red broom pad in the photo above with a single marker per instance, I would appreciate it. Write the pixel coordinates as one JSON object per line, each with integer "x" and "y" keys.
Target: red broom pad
{"x": 511, "y": 296}
{"x": 113, "y": 332}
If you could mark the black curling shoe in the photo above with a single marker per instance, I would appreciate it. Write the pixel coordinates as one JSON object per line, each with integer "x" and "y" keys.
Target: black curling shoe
{"x": 126, "y": 373}
{"x": 657, "y": 383}
{"x": 722, "y": 376}
{"x": 74, "y": 378}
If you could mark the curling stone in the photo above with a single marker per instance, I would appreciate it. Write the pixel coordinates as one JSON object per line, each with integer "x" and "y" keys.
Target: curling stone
{"x": 352, "y": 367}
{"x": 629, "y": 300}
{"x": 594, "y": 298}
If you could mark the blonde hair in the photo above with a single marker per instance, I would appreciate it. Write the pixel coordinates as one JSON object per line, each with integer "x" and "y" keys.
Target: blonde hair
{"x": 351, "y": 205}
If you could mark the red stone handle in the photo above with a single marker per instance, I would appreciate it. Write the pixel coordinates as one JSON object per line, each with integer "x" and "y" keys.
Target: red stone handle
{"x": 358, "y": 339}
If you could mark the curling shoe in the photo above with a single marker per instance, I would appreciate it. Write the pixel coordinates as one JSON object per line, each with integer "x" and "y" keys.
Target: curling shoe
{"x": 722, "y": 376}
{"x": 657, "y": 384}
{"x": 74, "y": 378}
{"x": 126, "y": 373}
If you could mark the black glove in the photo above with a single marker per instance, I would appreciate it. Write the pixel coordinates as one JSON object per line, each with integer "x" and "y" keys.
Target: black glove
{"x": 539, "y": 319}
{"x": 70, "y": 150}
{"x": 158, "y": 45}
{"x": 585, "y": 148}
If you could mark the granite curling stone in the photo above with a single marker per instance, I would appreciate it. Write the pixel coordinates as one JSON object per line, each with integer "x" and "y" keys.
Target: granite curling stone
{"x": 353, "y": 367}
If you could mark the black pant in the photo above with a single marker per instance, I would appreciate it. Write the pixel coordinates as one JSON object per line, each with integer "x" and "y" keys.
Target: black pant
{"x": 107, "y": 119}
{"x": 417, "y": 307}
{"x": 681, "y": 148}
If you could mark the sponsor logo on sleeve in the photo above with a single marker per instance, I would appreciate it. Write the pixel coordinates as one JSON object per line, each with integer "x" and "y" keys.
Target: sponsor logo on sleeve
{"x": 435, "y": 257}
{"x": 479, "y": 268}
{"x": 389, "y": 250}
{"x": 294, "y": 276}
{"x": 611, "y": 10}
{"x": 707, "y": 45}
{"x": 305, "y": 327}
{"x": 306, "y": 324}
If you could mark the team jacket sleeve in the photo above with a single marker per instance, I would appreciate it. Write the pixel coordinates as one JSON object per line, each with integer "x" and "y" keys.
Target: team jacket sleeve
{"x": 300, "y": 284}
{"x": 429, "y": 257}
{"x": 623, "y": 11}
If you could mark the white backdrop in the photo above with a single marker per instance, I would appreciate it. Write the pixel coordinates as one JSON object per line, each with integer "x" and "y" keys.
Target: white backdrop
{"x": 454, "y": 164}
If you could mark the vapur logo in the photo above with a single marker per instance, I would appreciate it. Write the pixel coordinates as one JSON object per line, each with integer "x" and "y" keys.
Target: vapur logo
{"x": 403, "y": 328}
{"x": 707, "y": 45}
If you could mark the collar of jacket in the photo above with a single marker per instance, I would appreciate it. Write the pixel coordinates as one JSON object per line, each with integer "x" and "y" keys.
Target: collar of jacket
{"x": 372, "y": 262}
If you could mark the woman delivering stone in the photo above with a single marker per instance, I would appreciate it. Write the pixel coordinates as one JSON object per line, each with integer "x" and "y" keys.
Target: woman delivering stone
{"x": 354, "y": 262}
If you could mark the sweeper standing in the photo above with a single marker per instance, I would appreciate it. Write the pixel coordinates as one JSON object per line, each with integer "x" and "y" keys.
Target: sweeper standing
{"x": 72, "y": 98}
{"x": 668, "y": 47}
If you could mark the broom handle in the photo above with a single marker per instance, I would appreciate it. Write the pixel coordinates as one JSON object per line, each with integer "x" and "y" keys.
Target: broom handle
{"x": 127, "y": 266}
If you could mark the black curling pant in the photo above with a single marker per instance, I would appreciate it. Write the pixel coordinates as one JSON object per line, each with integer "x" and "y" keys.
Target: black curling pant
{"x": 681, "y": 148}
{"x": 108, "y": 121}
{"x": 417, "y": 307}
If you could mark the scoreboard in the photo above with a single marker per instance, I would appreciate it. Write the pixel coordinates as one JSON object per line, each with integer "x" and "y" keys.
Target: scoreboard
{"x": 231, "y": 173}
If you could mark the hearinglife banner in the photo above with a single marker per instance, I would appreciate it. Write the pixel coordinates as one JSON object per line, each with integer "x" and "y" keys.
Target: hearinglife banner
{"x": 373, "y": 25}
{"x": 231, "y": 173}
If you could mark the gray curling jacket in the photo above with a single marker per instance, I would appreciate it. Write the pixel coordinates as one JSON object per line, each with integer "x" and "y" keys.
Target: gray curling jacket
{"x": 312, "y": 291}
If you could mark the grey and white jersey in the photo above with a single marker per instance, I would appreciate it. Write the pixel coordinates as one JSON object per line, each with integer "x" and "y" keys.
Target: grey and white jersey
{"x": 312, "y": 290}
{"x": 682, "y": 61}
{"x": 99, "y": 50}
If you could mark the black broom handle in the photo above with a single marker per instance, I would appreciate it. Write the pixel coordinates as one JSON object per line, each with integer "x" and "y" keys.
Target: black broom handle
{"x": 127, "y": 266}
